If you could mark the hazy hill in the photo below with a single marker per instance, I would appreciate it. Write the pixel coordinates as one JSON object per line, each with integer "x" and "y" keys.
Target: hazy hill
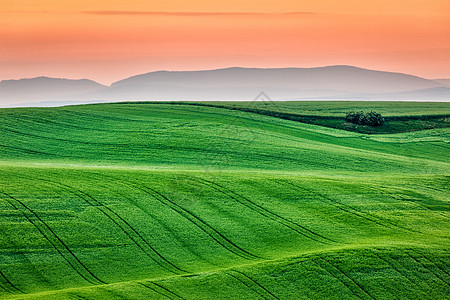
{"x": 336, "y": 78}
{"x": 432, "y": 94}
{"x": 333, "y": 82}
{"x": 445, "y": 82}
{"x": 46, "y": 89}
{"x": 438, "y": 93}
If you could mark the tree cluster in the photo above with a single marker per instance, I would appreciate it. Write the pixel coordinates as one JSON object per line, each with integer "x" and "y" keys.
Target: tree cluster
{"x": 371, "y": 118}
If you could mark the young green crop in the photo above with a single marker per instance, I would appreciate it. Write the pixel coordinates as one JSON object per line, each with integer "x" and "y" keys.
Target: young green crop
{"x": 114, "y": 201}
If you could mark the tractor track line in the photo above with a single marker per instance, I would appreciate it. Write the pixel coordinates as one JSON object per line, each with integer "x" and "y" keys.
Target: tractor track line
{"x": 120, "y": 222}
{"x": 116, "y": 219}
{"x": 351, "y": 210}
{"x": 432, "y": 272}
{"x": 168, "y": 291}
{"x": 254, "y": 282}
{"x": 56, "y": 241}
{"x": 205, "y": 227}
{"x": 153, "y": 289}
{"x": 263, "y": 211}
{"x": 149, "y": 214}
{"x": 390, "y": 262}
{"x": 336, "y": 277}
{"x": 383, "y": 190}
{"x": 40, "y": 277}
{"x": 425, "y": 267}
{"x": 348, "y": 277}
{"x": 427, "y": 258}
{"x": 8, "y": 286}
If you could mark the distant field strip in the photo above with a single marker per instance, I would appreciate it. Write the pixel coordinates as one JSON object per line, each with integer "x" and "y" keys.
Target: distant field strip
{"x": 294, "y": 112}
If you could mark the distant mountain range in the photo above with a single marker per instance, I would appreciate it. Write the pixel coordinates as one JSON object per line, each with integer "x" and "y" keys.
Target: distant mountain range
{"x": 445, "y": 82}
{"x": 324, "y": 83}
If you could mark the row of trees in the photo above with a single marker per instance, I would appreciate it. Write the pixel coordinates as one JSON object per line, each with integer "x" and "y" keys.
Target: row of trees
{"x": 371, "y": 118}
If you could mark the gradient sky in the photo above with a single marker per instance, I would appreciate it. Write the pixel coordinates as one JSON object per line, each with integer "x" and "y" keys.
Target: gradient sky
{"x": 107, "y": 40}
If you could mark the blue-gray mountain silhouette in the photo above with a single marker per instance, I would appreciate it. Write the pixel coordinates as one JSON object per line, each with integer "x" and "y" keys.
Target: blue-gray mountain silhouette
{"x": 333, "y": 82}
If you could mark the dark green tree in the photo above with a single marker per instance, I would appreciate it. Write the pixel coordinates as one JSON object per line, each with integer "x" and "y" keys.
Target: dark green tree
{"x": 371, "y": 118}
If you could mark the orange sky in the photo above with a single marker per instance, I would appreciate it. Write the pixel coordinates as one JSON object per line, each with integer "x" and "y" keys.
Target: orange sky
{"x": 109, "y": 40}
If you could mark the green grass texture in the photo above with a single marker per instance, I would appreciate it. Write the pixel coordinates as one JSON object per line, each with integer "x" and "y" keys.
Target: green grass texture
{"x": 164, "y": 201}
{"x": 399, "y": 116}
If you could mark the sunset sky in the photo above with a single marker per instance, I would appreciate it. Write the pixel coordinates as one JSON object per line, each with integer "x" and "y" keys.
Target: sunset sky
{"x": 107, "y": 40}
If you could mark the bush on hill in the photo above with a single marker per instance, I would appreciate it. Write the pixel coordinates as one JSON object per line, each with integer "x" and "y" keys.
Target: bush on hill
{"x": 371, "y": 118}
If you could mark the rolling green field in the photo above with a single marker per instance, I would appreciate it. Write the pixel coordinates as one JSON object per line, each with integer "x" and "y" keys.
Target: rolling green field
{"x": 399, "y": 116}
{"x": 165, "y": 201}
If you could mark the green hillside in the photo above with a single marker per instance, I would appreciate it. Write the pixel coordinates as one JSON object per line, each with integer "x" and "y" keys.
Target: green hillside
{"x": 340, "y": 108}
{"x": 398, "y": 116}
{"x": 164, "y": 201}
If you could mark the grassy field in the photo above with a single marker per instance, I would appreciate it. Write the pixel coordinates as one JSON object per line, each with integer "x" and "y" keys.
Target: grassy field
{"x": 399, "y": 116}
{"x": 164, "y": 201}
{"x": 340, "y": 108}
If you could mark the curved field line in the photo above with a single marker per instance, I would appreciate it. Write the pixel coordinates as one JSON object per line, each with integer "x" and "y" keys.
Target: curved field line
{"x": 341, "y": 276}
{"x": 391, "y": 263}
{"x": 77, "y": 296}
{"x": 427, "y": 258}
{"x": 41, "y": 278}
{"x": 197, "y": 221}
{"x": 145, "y": 211}
{"x": 351, "y": 210}
{"x": 29, "y": 151}
{"x": 54, "y": 240}
{"x": 159, "y": 289}
{"x": 134, "y": 145}
{"x": 167, "y": 290}
{"x": 120, "y": 222}
{"x": 383, "y": 190}
{"x": 41, "y": 120}
{"x": 153, "y": 289}
{"x": 336, "y": 277}
{"x": 96, "y": 117}
{"x": 264, "y": 212}
{"x": 263, "y": 291}
{"x": 60, "y": 139}
{"x": 348, "y": 277}
{"x": 431, "y": 271}
{"x": 8, "y": 286}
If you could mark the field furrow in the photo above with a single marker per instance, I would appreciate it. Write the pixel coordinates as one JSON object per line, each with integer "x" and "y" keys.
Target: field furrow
{"x": 265, "y": 212}
{"x": 252, "y": 284}
{"x": 175, "y": 200}
{"x": 214, "y": 234}
{"x": 124, "y": 226}
{"x": 73, "y": 261}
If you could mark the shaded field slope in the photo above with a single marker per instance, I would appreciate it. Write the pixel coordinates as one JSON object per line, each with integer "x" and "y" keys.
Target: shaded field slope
{"x": 398, "y": 116}
{"x": 163, "y": 201}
